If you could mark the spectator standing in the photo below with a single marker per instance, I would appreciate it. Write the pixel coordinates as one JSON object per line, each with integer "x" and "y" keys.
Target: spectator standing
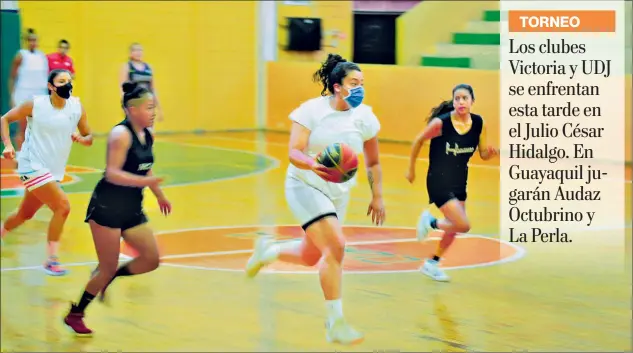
{"x": 60, "y": 60}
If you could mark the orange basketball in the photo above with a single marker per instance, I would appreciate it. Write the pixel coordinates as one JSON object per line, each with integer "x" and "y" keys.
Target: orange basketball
{"x": 341, "y": 158}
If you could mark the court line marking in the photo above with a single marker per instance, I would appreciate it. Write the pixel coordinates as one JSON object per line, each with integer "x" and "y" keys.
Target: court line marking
{"x": 389, "y": 155}
{"x": 275, "y": 163}
{"x": 521, "y": 251}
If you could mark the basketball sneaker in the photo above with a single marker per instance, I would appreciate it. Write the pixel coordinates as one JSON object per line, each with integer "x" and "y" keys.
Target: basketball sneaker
{"x": 75, "y": 321}
{"x": 341, "y": 332}
{"x": 257, "y": 261}
{"x": 424, "y": 225}
{"x": 52, "y": 267}
{"x": 432, "y": 269}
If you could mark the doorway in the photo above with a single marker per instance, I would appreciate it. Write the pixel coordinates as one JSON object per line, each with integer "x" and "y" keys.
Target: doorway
{"x": 375, "y": 38}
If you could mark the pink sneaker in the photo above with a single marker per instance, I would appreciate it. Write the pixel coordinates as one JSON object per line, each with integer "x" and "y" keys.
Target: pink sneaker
{"x": 52, "y": 267}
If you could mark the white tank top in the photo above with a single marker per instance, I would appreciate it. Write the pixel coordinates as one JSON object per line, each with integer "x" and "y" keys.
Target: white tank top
{"x": 33, "y": 71}
{"x": 47, "y": 141}
{"x": 352, "y": 127}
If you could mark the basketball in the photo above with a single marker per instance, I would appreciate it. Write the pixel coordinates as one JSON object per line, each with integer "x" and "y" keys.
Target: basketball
{"x": 339, "y": 157}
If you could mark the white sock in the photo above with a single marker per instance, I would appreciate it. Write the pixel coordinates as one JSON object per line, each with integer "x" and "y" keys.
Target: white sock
{"x": 272, "y": 253}
{"x": 334, "y": 309}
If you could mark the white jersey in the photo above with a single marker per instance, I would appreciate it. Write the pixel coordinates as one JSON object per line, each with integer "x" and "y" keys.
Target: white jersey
{"x": 327, "y": 125}
{"x": 32, "y": 72}
{"x": 47, "y": 141}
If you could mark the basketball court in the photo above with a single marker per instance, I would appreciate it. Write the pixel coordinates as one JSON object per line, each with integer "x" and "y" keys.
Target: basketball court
{"x": 227, "y": 189}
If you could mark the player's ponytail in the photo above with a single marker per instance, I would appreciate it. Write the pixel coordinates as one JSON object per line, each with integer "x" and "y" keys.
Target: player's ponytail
{"x": 333, "y": 70}
{"x": 443, "y": 108}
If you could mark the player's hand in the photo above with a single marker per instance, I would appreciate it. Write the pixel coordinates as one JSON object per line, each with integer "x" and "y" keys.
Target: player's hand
{"x": 164, "y": 205}
{"x": 410, "y": 175}
{"x": 8, "y": 152}
{"x": 324, "y": 172}
{"x": 377, "y": 211}
{"x": 77, "y": 138}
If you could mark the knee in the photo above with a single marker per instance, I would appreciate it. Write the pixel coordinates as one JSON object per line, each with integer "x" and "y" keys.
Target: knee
{"x": 462, "y": 226}
{"x": 152, "y": 260}
{"x": 62, "y": 208}
{"x": 337, "y": 249}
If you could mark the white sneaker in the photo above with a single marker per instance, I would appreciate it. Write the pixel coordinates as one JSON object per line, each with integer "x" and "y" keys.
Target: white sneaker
{"x": 341, "y": 332}
{"x": 432, "y": 269}
{"x": 424, "y": 225}
{"x": 256, "y": 262}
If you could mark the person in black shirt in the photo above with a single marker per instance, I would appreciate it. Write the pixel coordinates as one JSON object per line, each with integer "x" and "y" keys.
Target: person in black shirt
{"x": 455, "y": 134}
{"x": 116, "y": 206}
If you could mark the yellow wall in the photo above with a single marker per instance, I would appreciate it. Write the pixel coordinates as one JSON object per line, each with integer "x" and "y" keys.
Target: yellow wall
{"x": 400, "y": 96}
{"x": 432, "y": 22}
{"x": 203, "y": 55}
{"x": 335, "y": 15}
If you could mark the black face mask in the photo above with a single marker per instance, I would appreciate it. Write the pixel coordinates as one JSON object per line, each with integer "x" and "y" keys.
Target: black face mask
{"x": 65, "y": 90}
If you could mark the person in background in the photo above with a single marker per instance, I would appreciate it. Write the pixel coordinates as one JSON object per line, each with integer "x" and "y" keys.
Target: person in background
{"x": 28, "y": 78}
{"x": 136, "y": 70}
{"x": 61, "y": 60}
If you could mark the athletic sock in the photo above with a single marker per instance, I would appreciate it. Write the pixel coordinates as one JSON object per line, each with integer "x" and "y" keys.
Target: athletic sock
{"x": 85, "y": 300}
{"x": 334, "y": 310}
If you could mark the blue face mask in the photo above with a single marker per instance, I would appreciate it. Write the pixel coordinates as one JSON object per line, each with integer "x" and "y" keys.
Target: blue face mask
{"x": 356, "y": 96}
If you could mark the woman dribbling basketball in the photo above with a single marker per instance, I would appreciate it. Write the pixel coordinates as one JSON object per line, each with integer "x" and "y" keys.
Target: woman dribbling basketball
{"x": 318, "y": 205}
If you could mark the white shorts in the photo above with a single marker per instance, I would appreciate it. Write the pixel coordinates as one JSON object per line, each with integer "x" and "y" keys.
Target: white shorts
{"x": 35, "y": 179}
{"x": 310, "y": 205}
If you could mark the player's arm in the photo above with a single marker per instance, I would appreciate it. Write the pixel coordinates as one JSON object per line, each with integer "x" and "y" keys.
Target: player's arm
{"x": 372, "y": 162}
{"x": 119, "y": 142}
{"x": 432, "y": 130}
{"x": 85, "y": 134}
{"x": 486, "y": 151}
{"x": 19, "y": 113}
{"x": 299, "y": 136}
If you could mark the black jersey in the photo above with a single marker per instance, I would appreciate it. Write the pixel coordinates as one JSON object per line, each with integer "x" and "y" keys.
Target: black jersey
{"x": 450, "y": 152}
{"x": 142, "y": 77}
{"x": 139, "y": 161}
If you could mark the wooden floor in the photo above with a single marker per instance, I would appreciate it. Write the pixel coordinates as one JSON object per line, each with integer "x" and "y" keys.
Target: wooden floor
{"x": 228, "y": 188}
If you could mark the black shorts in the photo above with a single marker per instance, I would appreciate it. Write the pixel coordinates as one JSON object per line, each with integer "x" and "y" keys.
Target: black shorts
{"x": 112, "y": 218}
{"x": 440, "y": 194}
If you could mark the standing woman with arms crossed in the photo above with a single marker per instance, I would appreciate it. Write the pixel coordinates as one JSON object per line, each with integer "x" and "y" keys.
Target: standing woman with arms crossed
{"x": 51, "y": 122}
{"x": 136, "y": 70}
{"x": 28, "y": 78}
{"x": 455, "y": 134}
{"x": 318, "y": 205}
{"x": 116, "y": 206}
